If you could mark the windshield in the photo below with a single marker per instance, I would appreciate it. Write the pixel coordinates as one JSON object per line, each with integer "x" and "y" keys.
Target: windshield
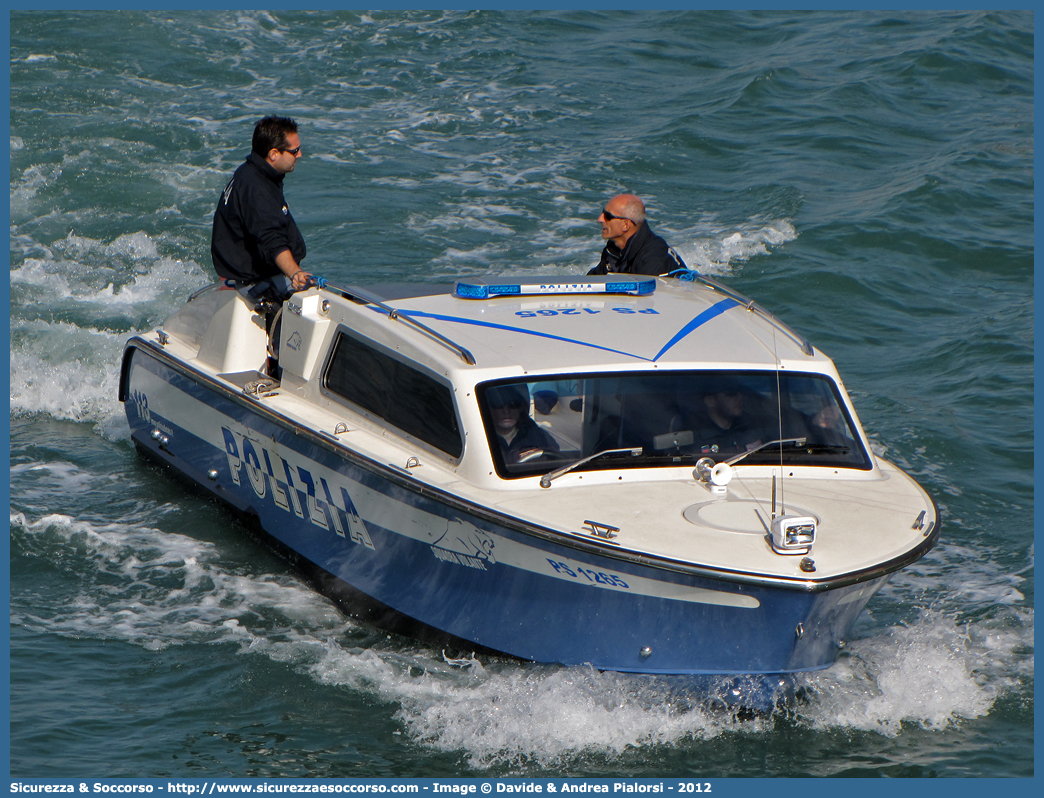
{"x": 675, "y": 418}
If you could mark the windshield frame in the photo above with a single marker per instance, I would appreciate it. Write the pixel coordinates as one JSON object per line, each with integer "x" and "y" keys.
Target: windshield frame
{"x": 854, "y": 456}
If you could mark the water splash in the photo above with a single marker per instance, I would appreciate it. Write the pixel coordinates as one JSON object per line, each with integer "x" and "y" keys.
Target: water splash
{"x": 95, "y": 277}
{"x": 933, "y": 673}
{"x": 69, "y": 373}
{"x": 715, "y": 251}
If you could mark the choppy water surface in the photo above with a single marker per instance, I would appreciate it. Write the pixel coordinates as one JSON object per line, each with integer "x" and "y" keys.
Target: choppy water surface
{"x": 867, "y": 176}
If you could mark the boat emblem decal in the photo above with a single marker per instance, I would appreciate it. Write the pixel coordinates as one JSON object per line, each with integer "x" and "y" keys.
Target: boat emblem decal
{"x": 464, "y": 543}
{"x": 697, "y": 322}
{"x": 294, "y": 342}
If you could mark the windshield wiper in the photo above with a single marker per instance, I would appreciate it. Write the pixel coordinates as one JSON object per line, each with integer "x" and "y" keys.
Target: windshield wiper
{"x": 795, "y": 441}
{"x": 545, "y": 481}
{"x": 720, "y": 473}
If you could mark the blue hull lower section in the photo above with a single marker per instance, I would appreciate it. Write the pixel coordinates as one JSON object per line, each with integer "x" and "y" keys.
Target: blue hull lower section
{"x": 430, "y": 562}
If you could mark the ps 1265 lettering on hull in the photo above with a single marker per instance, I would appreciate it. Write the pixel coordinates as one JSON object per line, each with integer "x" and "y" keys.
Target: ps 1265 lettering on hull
{"x": 646, "y": 475}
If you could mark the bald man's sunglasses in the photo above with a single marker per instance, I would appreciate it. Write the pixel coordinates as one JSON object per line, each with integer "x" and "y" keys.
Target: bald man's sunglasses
{"x": 610, "y": 216}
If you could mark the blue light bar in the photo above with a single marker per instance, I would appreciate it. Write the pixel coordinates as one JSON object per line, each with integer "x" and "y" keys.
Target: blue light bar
{"x": 485, "y": 291}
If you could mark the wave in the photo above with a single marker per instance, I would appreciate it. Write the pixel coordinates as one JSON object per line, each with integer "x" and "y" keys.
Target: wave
{"x": 129, "y": 270}
{"x": 571, "y": 243}
{"x": 716, "y": 250}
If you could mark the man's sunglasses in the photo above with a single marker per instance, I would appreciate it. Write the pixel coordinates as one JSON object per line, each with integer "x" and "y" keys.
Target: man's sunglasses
{"x": 610, "y": 216}
{"x": 294, "y": 151}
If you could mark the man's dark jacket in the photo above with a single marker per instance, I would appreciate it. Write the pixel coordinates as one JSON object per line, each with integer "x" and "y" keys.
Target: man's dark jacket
{"x": 644, "y": 253}
{"x": 529, "y": 435}
{"x": 252, "y": 224}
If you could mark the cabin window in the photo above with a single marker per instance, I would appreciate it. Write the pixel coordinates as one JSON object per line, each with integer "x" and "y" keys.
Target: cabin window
{"x": 675, "y": 418}
{"x": 403, "y": 396}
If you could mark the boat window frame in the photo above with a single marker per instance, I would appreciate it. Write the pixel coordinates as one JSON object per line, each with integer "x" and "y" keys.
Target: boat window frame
{"x": 342, "y": 331}
{"x": 867, "y": 464}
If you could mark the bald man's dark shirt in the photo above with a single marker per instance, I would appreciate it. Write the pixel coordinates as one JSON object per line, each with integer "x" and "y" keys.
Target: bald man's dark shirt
{"x": 644, "y": 253}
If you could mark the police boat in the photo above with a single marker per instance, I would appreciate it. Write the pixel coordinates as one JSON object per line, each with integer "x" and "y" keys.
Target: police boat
{"x": 640, "y": 474}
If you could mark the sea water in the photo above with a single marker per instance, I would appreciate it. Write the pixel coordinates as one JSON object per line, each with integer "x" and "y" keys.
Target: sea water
{"x": 867, "y": 176}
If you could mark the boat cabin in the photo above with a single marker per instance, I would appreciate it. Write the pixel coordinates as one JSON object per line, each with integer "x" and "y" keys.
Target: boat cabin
{"x": 551, "y": 382}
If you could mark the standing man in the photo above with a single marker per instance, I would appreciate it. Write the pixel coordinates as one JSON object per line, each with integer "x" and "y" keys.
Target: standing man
{"x": 631, "y": 247}
{"x": 256, "y": 245}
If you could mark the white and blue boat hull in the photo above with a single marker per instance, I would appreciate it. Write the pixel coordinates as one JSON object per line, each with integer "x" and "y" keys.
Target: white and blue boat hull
{"x": 423, "y": 560}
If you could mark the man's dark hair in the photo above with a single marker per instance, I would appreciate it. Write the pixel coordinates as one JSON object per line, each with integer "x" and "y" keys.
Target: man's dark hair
{"x": 271, "y": 132}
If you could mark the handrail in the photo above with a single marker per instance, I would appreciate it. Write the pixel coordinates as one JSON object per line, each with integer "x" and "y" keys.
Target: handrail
{"x": 361, "y": 295}
{"x": 203, "y": 290}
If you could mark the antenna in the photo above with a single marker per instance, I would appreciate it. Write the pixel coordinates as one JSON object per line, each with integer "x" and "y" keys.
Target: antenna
{"x": 774, "y": 493}
{"x": 779, "y": 417}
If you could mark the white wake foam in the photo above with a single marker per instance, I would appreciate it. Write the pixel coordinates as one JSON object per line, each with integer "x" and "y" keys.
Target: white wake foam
{"x": 69, "y": 373}
{"x": 713, "y": 248}
{"x": 932, "y": 674}
{"x": 65, "y": 354}
{"x": 126, "y": 272}
{"x": 162, "y": 589}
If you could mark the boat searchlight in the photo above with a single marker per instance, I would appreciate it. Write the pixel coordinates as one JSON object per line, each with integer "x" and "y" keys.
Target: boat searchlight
{"x": 793, "y": 534}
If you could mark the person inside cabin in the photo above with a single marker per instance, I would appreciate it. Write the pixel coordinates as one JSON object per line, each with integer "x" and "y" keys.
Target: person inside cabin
{"x": 630, "y": 246}
{"x": 255, "y": 244}
{"x": 730, "y": 418}
{"x": 520, "y": 438}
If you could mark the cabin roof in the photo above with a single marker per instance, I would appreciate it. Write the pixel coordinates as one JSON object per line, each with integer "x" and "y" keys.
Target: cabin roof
{"x": 678, "y": 325}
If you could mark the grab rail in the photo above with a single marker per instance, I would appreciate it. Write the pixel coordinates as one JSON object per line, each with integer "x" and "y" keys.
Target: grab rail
{"x": 204, "y": 290}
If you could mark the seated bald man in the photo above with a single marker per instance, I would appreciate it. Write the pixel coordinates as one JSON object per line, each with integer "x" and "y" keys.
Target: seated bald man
{"x": 631, "y": 247}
